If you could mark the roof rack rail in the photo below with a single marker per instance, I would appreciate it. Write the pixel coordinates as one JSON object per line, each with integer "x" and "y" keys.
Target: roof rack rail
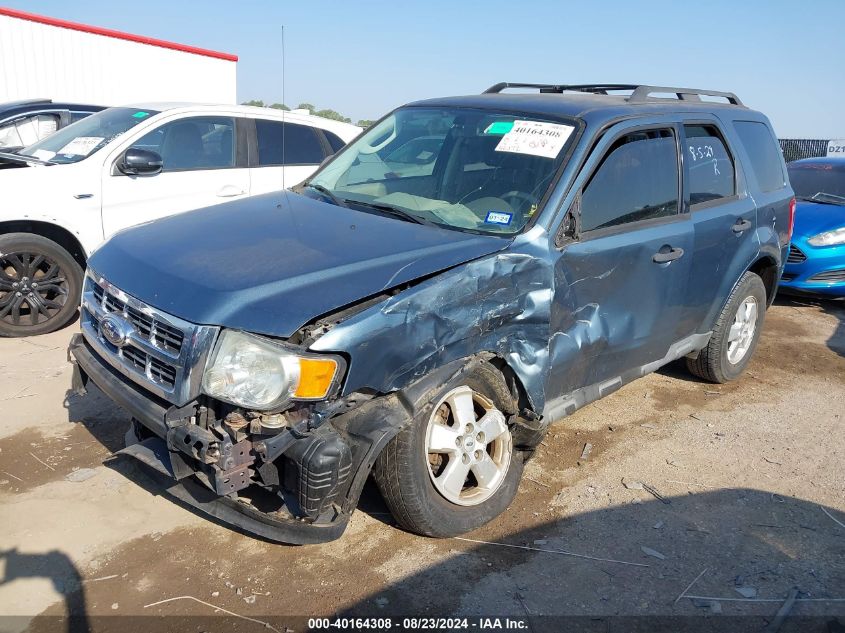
{"x": 558, "y": 88}
{"x": 642, "y": 94}
{"x": 639, "y": 93}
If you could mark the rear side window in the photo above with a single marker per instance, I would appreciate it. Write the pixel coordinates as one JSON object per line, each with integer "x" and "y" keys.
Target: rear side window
{"x": 301, "y": 144}
{"x": 636, "y": 180}
{"x": 764, "y": 154}
{"x": 711, "y": 167}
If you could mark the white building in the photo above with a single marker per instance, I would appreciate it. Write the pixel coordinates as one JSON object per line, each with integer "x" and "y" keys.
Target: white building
{"x": 46, "y": 57}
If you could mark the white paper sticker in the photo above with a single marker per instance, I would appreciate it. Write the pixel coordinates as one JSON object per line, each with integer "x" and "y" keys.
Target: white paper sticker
{"x": 43, "y": 154}
{"x": 536, "y": 138}
{"x": 81, "y": 145}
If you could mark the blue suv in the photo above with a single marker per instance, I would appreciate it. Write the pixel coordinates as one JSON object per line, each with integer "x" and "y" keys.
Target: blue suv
{"x": 464, "y": 274}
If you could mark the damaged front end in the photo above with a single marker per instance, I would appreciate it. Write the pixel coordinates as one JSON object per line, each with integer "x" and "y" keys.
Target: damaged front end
{"x": 289, "y": 463}
{"x": 291, "y": 472}
{"x": 291, "y": 477}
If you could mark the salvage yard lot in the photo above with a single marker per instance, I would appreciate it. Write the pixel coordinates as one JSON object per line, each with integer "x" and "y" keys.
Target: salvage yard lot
{"x": 747, "y": 488}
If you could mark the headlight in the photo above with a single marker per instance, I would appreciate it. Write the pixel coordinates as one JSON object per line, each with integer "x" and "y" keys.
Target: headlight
{"x": 829, "y": 238}
{"x": 257, "y": 373}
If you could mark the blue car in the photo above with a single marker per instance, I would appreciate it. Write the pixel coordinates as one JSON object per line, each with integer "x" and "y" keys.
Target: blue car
{"x": 816, "y": 261}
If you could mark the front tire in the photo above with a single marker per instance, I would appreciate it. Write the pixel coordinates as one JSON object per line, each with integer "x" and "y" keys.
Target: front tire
{"x": 455, "y": 468}
{"x": 40, "y": 285}
{"x": 735, "y": 334}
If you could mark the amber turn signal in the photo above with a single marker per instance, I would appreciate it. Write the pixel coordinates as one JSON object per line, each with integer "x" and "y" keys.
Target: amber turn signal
{"x": 316, "y": 376}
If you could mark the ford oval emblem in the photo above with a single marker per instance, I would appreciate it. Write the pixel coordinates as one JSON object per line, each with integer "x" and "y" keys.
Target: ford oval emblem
{"x": 115, "y": 330}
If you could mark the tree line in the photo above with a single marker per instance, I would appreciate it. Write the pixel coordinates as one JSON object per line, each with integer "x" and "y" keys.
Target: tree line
{"x": 326, "y": 113}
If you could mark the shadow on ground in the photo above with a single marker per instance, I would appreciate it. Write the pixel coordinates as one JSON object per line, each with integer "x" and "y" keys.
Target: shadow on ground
{"x": 833, "y": 307}
{"x": 715, "y": 561}
{"x": 626, "y": 568}
{"x": 65, "y": 578}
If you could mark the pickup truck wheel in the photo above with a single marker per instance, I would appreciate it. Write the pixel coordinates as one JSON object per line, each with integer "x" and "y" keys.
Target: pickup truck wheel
{"x": 40, "y": 285}
{"x": 455, "y": 468}
{"x": 735, "y": 335}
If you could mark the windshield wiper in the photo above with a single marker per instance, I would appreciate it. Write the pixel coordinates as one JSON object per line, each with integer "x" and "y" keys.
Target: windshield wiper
{"x": 396, "y": 211}
{"x": 23, "y": 158}
{"x": 829, "y": 198}
{"x": 824, "y": 198}
{"x": 328, "y": 193}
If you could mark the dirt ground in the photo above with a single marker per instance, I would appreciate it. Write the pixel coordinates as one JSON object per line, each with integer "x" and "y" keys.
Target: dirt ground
{"x": 744, "y": 491}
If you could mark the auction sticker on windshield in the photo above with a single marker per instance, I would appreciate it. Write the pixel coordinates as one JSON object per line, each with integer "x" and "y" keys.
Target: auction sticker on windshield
{"x": 81, "y": 145}
{"x": 537, "y": 138}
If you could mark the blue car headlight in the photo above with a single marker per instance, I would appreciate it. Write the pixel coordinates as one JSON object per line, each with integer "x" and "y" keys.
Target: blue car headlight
{"x": 828, "y": 238}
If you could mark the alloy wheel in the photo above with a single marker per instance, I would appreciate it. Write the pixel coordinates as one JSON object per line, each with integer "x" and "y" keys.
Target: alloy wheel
{"x": 741, "y": 334}
{"x": 33, "y": 288}
{"x": 468, "y": 447}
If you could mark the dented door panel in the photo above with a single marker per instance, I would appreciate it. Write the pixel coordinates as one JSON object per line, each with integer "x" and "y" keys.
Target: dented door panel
{"x": 614, "y": 307}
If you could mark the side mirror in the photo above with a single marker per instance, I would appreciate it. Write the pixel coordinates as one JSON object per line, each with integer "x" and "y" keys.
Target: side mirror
{"x": 570, "y": 226}
{"x": 140, "y": 162}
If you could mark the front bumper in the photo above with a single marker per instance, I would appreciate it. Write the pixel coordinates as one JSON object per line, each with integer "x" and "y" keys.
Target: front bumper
{"x": 820, "y": 272}
{"x": 154, "y": 414}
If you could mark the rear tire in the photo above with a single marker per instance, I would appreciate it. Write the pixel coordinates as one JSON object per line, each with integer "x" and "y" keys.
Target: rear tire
{"x": 735, "y": 334}
{"x": 427, "y": 473}
{"x": 40, "y": 285}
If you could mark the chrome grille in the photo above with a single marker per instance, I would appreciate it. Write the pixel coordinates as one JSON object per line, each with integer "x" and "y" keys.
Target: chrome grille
{"x": 157, "y": 331}
{"x": 796, "y": 256}
{"x": 162, "y": 353}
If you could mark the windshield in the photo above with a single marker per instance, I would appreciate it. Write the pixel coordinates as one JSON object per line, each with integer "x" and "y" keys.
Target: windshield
{"x": 821, "y": 182}
{"x": 81, "y": 139}
{"x": 475, "y": 170}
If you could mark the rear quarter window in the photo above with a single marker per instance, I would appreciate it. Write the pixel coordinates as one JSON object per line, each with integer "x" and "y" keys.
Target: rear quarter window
{"x": 764, "y": 154}
{"x": 334, "y": 140}
{"x": 287, "y": 144}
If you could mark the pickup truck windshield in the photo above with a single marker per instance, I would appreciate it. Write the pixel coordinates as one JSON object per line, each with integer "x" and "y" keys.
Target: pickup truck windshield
{"x": 467, "y": 169}
{"x": 81, "y": 139}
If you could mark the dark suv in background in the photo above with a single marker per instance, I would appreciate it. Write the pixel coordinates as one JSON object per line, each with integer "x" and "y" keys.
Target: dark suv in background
{"x": 466, "y": 272}
{"x": 26, "y": 122}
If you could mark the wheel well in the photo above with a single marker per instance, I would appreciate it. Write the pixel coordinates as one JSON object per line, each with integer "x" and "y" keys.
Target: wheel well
{"x": 515, "y": 386}
{"x": 767, "y": 269}
{"x": 59, "y": 235}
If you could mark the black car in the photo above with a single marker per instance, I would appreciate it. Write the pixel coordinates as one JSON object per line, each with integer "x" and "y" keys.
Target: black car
{"x": 23, "y": 123}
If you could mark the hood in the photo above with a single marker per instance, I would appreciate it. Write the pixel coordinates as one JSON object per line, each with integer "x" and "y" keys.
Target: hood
{"x": 812, "y": 218}
{"x": 272, "y": 263}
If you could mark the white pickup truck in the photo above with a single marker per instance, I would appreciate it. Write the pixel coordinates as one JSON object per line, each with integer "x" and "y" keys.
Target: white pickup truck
{"x": 64, "y": 195}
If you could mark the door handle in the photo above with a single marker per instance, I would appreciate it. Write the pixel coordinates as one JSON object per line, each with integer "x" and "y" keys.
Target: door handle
{"x": 229, "y": 191}
{"x": 741, "y": 225}
{"x": 662, "y": 257}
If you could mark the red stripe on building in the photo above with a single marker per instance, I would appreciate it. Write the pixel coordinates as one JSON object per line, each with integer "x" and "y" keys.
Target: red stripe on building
{"x": 120, "y": 35}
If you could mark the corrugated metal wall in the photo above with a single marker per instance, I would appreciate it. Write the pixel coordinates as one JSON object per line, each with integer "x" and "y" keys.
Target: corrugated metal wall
{"x": 40, "y": 60}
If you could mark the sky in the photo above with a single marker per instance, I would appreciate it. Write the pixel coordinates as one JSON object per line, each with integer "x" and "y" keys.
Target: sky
{"x": 365, "y": 57}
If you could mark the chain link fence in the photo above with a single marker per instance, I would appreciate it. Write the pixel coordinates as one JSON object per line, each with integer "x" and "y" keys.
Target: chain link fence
{"x": 797, "y": 148}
